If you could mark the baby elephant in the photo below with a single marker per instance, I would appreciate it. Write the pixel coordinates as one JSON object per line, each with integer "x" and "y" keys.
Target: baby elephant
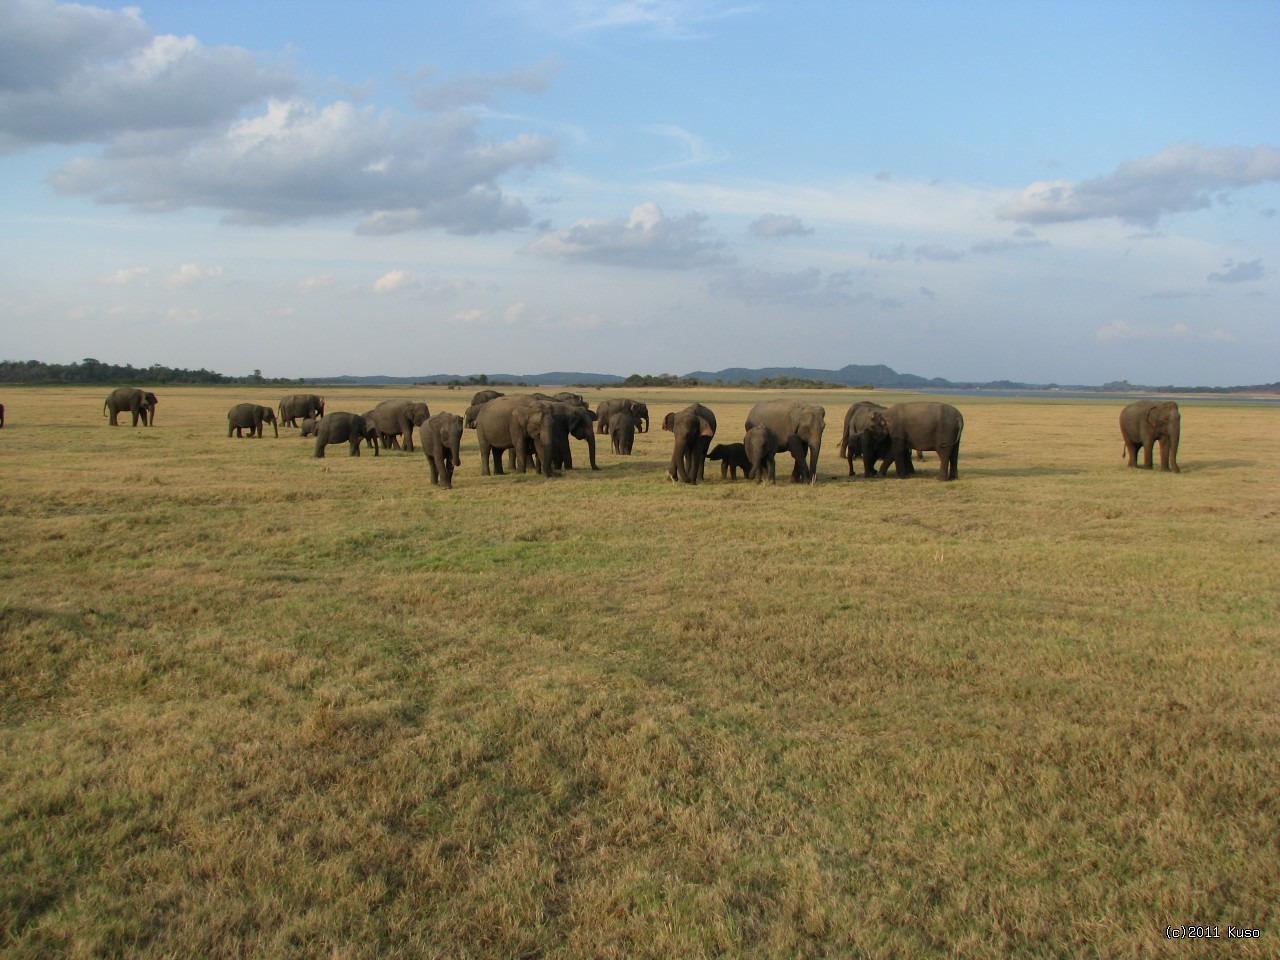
{"x": 251, "y": 417}
{"x": 732, "y": 457}
{"x": 622, "y": 431}
{"x": 310, "y": 426}
{"x": 349, "y": 428}
{"x": 761, "y": 445}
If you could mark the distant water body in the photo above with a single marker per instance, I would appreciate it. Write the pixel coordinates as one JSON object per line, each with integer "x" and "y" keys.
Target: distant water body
{"x": 1182, "y": 398}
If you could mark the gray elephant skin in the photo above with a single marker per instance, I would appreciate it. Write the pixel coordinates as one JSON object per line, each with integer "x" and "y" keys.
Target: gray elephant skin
{"x": 309, "y": 426}
{"x": 761, "y": 447}
{"x": 398, "y": 418}
{"x": 441, "y": 439}
{"x": 348, "y": 428}
{"x": 622, "y": 432}
{"x": 516, "y": 423}
{"x": 732, "y": 457}
{"x": 580, "y": 424}
{"x": 920, "y": 425}
{"x": 798, "y": 426}
{"x": 694, "y": 427}
{"x": 140, "y": 403}
{"x": 1147, "y": 422}
{"x": 484, "y": 396}
{"x": 856, "y": 420}
{"x": 299, "y": 405}
{"x": 607, "y": 408}
{"x": 251, "y": 417}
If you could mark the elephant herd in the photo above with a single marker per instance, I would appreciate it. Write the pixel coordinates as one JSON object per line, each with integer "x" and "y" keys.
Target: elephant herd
{"x": 537, "y": 428}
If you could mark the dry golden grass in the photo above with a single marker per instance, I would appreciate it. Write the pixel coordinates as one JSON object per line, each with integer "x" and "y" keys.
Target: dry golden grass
{"x": 260, "y": 705}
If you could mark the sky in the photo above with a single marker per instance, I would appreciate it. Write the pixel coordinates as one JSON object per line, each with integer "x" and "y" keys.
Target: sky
{"x": 1073, "y": 193}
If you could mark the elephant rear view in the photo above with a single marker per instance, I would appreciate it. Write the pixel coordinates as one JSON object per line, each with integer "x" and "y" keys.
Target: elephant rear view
{"x": 1146, "y": 422}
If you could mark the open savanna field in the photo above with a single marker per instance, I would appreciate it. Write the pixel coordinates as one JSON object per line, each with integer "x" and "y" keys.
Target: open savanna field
{"x": 254, "y": 704}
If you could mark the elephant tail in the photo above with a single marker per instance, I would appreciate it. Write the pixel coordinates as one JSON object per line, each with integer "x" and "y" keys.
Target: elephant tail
{"x": 104, "y": 408}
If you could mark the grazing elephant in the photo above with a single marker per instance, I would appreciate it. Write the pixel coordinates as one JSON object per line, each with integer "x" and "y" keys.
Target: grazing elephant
{"x": 441, "y": 438}
{"x": 398, "y": 418}
{"x": 794, "y": 418}
{"x": 299, "y": 405}
{"x": 1144, "y": 423}
{"x": 622, "y": 432}
{"x": 732, "y": 457}
{"x": 484, "y": 396}
{"x": 349, "y": 428}
{"x": 694, "y": 426}
{"x": 761, "y": 447}
{"x": 919, "y": 425}
{"x": 140, "y": 403}
{"x": 309, "y": 426}
{"x": 251, "y": 417}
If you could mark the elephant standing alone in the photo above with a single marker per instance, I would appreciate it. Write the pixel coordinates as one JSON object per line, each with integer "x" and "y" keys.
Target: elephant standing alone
{"x": 798, "y": 427}
{"x": 251, "y": 417}
{"x": 441, "y": 438}
{"x": 1146, "y": 422}
{"x": 140, "y": 403}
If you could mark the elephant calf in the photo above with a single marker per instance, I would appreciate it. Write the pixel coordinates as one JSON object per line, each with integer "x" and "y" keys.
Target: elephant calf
{"x": 309, "y": 426}
{"x": 251, "y": 417}
{"x": 622, "y": 432}
{"x": 348, "y": 428}
{"x": 760, "y": 446}
{"x": 732, "y": 457}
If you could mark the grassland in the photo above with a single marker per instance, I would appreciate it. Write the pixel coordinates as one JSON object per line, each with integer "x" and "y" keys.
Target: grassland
{"x": 254, "y": 704}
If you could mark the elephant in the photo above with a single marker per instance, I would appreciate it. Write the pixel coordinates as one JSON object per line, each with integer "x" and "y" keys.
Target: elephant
{"x": 761, "y": 447}
{"x": 251, "y": 417}
{"x": 579, "y": 424}
{"x": 1145, "y": 422}
{"x": 794, "y": 418}
{"x": 607, "y": 408}
{"x": 1, "y": 416}
{"x": 573, "y": 398}
{"x": 732, "y": 457}
{"x": 398, "y": 418}
{"x": 495, "y": 432}
{"x": 348, "y": 428}
{"x": 919, "y": 425}
{"x": 441, "y": 438}
{"x": 694, "y": 426}
{"x": 856, "y": 419}
{"x": 309, "y": 426}
{"x": 137, "y": 402}
{"x": 469, "y": 418}
{"x": 484, "y": 396}
{"x": 300, "y": 405}
{"x": 622, "y": 432}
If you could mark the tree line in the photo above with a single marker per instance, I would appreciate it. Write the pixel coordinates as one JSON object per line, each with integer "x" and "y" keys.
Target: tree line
{"x": 90, "y": 370}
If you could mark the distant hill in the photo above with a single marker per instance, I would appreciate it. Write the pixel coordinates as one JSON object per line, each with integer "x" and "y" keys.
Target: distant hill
{"x": 853, "y": 375}
{"x": 553, "y": 379}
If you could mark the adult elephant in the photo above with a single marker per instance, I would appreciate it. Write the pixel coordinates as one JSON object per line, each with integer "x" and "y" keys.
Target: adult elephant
{"x": 1, "y": 415}
{"x": 398, "y": 418}
{"x": 607, "y": 408}
{"x": 694, "y": 426}
{"x": 856, "y": 419}
{"x": 140, "y": 403}
{"x": 494, "y": 433}
{"x": 251, "y": 417}
{"x": 300, "y": 405}
{"x": 348, "y": 428}
{"x": 920, "y": 425}
{"x": 1146, "y": 422}
{"x": 484, "y": 396}
{"x": 798, "y": 427}
{"x": 581, "y": 425}
{"x": 622, "y": 432}
{"x": 441, "y": 438}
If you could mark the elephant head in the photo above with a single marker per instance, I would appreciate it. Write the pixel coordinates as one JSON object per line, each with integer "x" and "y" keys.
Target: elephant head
{"x": 641, "y": 412}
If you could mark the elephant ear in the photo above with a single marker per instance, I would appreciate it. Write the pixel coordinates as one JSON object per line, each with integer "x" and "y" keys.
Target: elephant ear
{"x": 1154, "y": 416}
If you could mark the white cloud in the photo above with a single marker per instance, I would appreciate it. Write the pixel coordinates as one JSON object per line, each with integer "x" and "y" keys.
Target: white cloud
{"x": 189, "y": 274}
{"x": 647, "y": 239}
{"x": 394, "y": 280}
{"x": 470, "y": 316}
{"x": 695, "y": 148}
{"x": 128, "y": 275}
{"x": 1186, "y": 176}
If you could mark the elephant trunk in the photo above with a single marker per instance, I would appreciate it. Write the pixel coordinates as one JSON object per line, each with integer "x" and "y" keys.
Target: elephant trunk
{"x": 591, "y": 448}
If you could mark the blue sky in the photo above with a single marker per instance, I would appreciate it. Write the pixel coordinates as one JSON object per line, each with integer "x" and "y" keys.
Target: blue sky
{"x": 1051, "y": 192}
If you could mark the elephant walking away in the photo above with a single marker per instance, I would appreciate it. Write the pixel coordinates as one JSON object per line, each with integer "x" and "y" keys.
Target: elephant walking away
{"x": 920, "y": 425}
{"x": 694, "y": 427}
{"x": 732, "y": 457}
{"x": 622, "y": 432}
{"x": 300, "y": 405}
{"x": 761, "y": 448}
{"x": 251, "y": 417}
{"x": 1146, "y": 422}
{"x": 794, "y": 418}
{"x": 441, "y": 438}
{"x": 140, "y": 403}
{"x": 398, "y": 418}
{"x": 348, "y": 428}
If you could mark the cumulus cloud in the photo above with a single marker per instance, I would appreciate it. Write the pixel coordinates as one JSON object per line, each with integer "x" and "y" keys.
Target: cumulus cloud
{"x": 394, "y": 280}
{"x": 1124, "y": 330}
{"x": 1233, "y": 272}
{"x": 647, "y": 238}
{"x": 183, "y": 125}
{"x": 775, "y": 226}
{"x": 1180, "y": 178}
{"x": 128, "y": 275}
{"x": 190, "y": 274}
